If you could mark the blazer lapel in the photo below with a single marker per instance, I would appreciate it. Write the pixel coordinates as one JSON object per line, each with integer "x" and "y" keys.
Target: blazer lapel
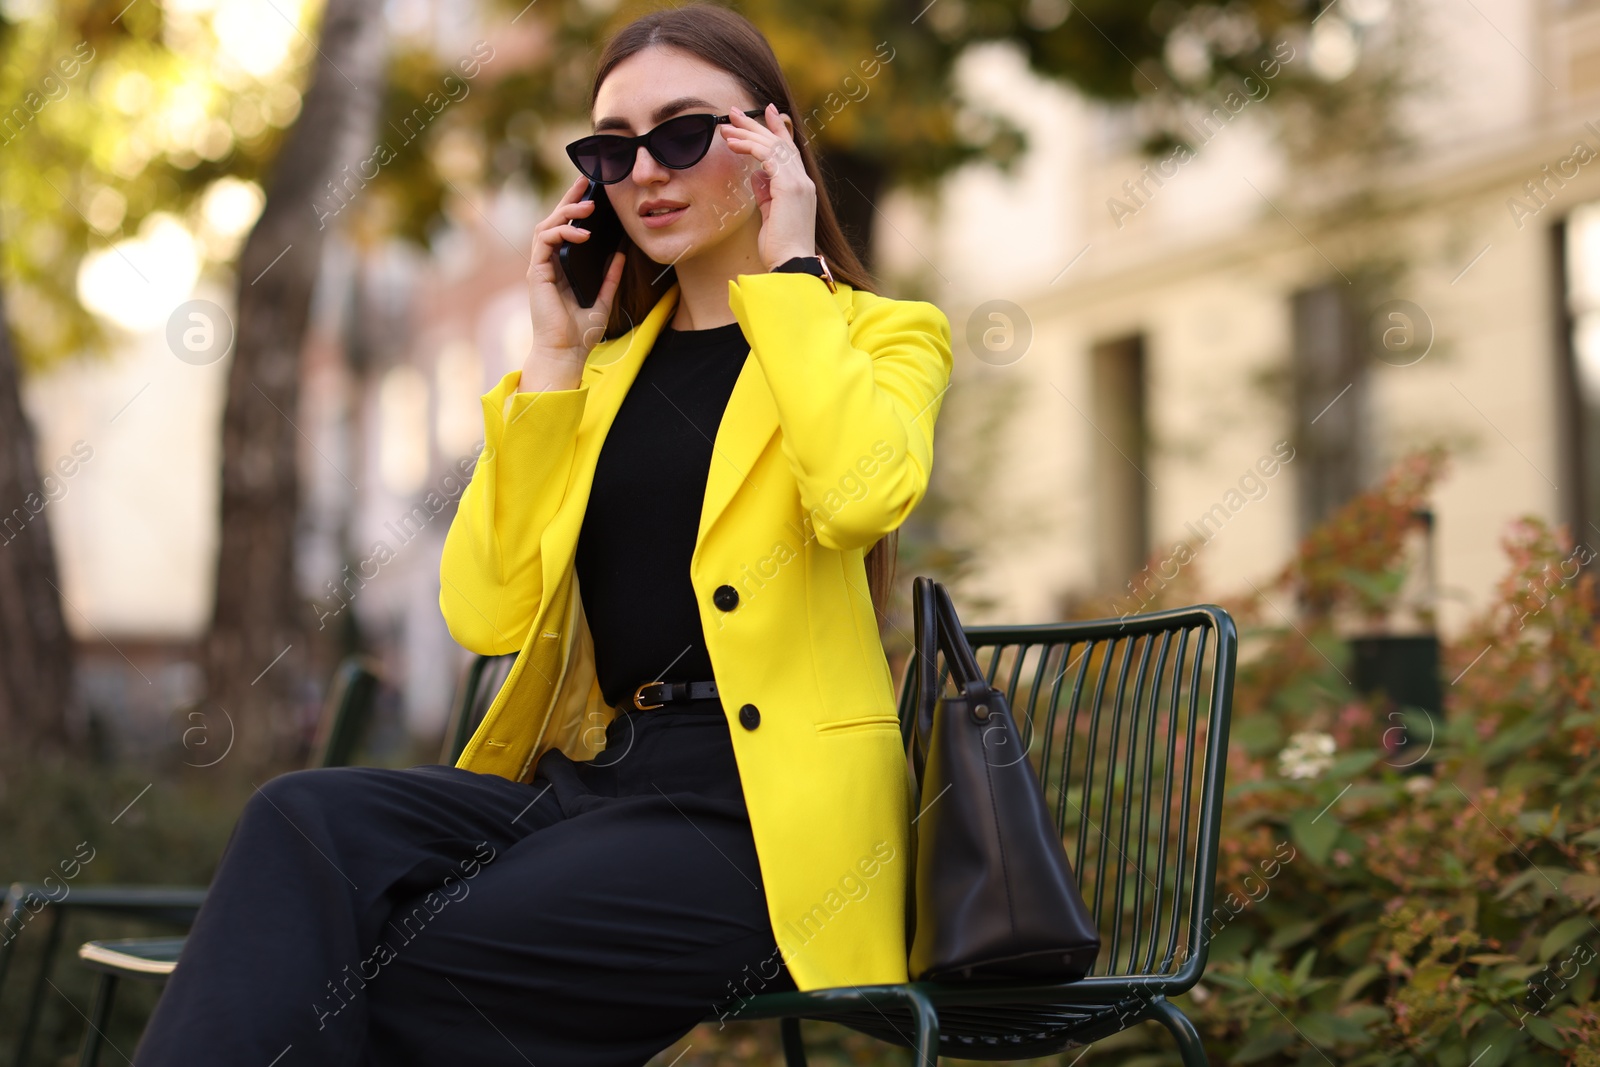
{"x": 748, "y": 425}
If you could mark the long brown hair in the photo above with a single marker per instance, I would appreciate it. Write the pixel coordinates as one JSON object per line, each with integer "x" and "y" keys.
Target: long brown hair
{"x": 728, "y": 41}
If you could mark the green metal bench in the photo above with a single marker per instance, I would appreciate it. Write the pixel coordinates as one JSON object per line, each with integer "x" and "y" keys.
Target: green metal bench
{"x": 347, "y": 711}
{"x": 1127, "y": 722}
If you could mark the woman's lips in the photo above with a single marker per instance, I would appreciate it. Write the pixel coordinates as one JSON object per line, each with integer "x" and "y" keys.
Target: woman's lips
{"x": 657, "y": 221}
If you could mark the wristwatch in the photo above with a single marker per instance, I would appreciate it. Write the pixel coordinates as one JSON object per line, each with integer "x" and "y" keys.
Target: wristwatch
{"x": 809, "y": 265}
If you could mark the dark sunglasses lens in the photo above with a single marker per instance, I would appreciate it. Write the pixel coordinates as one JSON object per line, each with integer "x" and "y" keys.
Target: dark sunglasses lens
{"x": 602, "y": 158}
{"x": 683, "y": 141}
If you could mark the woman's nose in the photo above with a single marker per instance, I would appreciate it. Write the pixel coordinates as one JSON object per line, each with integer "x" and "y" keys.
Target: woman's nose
{"x": 646, "y": 166}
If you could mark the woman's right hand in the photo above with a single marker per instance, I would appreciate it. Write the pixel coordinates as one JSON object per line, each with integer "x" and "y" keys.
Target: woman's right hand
{"x": 563, "y": 331}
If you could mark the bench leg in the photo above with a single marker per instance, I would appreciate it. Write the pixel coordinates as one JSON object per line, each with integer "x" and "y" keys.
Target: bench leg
{"x": 10, "y": 930}
{"x": 1177, "y": 1023}
{"x": 794, "y": 1050}
{"x": 925, "y": 1028}
{"x": 99, "y": 1018}
{"x": 30, "y": 1022}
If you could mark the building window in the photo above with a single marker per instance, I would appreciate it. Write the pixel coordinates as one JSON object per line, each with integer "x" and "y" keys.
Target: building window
{"x": 1330, "y": 401}
{"x": 1577, "y": 245}
{"x": 1121, "y": 460}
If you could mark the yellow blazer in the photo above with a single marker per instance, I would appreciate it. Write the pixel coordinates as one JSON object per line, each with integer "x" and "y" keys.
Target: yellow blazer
{"x": 825, "y": 446}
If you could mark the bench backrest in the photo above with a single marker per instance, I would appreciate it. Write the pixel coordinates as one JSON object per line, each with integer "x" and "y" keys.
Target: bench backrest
{"x": 1126, "y": 722}
{"x": 346, "y": 713}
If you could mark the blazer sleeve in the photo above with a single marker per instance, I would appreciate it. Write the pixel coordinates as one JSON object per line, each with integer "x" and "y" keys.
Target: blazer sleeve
{"x": 490, "y": 577}
{"x": 856, "y": 400}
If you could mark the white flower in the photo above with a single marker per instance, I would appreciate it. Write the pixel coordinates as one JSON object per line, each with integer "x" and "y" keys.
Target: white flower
{"x": 1307, "y": 755}
{"x": 1419, "y": 784}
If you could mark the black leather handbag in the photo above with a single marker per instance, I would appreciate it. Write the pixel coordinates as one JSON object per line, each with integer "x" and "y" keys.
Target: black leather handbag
{"x": 995, "y": 895}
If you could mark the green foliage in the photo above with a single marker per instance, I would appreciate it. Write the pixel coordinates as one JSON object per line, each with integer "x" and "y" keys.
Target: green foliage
{"x": 1449, "y": 917}
{"x": 115, "y": 119}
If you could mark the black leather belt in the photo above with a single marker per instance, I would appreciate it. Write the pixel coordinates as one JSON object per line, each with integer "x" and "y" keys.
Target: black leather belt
{"x": 655, "y": 694}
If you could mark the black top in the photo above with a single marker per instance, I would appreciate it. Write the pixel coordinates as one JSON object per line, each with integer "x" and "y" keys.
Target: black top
{"x": 644, "y": 512}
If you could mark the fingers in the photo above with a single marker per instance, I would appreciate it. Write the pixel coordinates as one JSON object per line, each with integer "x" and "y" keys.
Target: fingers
{"x": 564, "y": 210}
{"x": 740, "y": 123}
{"x": 608, "y": 288}
{"x": 553, "y": 230}
{"x": 575, "y": 190}
{"x": 780, "y": 148}
{"x": 771, "y": 119}
{"x": 569, "y": 206}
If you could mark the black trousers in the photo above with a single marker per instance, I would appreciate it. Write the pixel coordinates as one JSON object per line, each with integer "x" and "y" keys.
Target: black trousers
{"x": 370, "y": 917}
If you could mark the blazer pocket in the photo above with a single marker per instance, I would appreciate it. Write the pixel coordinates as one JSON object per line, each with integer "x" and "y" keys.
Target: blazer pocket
{"x": 874, "y": 721}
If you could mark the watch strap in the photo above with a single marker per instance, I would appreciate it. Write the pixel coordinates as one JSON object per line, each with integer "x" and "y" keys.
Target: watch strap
{"x": 813, "y": 265}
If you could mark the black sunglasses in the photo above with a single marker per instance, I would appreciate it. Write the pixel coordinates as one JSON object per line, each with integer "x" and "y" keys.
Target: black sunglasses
{"x": 679, "y": 143}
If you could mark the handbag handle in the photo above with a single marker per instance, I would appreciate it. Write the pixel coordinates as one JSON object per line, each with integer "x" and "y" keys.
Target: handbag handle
{"x": 964, "y": 669}
{"x": 937, "y": 628}
{"x": 926, "y": 639}
{"x": 926, "y": 625}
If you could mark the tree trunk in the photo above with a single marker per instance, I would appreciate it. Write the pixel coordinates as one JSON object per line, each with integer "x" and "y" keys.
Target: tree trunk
{"x": 256, "y": 654}
{"x": 35, "y": 649}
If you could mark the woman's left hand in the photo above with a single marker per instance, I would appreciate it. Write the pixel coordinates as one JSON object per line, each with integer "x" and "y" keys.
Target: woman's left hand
{"x": 785, "y": 193}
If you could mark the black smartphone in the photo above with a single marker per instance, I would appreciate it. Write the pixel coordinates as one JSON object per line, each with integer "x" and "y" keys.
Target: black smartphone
{"x": 585, "y": 262}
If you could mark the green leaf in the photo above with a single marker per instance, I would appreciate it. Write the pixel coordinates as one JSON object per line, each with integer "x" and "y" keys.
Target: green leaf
{"x": 1519, "y": 882}
{"x": 1564, "y": 934}
{"x": 1264, "y": 1047}
{"x": 1524, "y": 774}
{"x": 1314, "y": 835}
{"x": 1490, "y": 1051}
{"x": 1302, "y": 967}
{"x": 1292, "y": 934}
{"x": 1317, "y": 1027}
{"x": 1358, "y": 981}
{"x": 1583, "y": 986}
{"x": 1256, "y": 734}
{"x": 1582, "y": 887}
{"x": 1511, "y": 742}
{"x": 1544, "y": 1031}
{"x": 1232, "y": 941}
{"x": 1347, "y": 767}
{"x": 1366, "y": 1016}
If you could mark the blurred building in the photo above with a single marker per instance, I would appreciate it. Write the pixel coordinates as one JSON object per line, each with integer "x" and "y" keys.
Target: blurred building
{"x": 1146, "y": 351}
{"x": 1186, "y": 317}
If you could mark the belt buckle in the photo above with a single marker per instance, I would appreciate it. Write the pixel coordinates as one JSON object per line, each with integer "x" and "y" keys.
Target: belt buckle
{"x": 645, "y": 707}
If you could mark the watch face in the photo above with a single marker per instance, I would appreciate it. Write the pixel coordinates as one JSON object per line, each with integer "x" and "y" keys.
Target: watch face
{"x": 827, "y": 275}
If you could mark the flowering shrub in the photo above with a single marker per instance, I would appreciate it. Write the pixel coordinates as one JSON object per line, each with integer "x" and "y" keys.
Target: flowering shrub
{"x": 1307, "y": 755}
{"x": 1450, "y": 917}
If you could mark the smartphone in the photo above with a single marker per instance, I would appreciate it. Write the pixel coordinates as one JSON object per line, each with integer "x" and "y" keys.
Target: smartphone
{"x": 585, "y": 262}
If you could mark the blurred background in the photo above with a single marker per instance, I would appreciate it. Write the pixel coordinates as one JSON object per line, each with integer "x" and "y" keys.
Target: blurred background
{"x": 1289, "y": 306}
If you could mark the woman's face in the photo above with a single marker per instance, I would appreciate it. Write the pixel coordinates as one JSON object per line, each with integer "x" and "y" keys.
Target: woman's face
{"x": 640, "y": 93}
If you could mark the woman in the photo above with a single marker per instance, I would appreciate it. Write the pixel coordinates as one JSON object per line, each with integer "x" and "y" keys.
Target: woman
{"x": 691, "y": 787}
